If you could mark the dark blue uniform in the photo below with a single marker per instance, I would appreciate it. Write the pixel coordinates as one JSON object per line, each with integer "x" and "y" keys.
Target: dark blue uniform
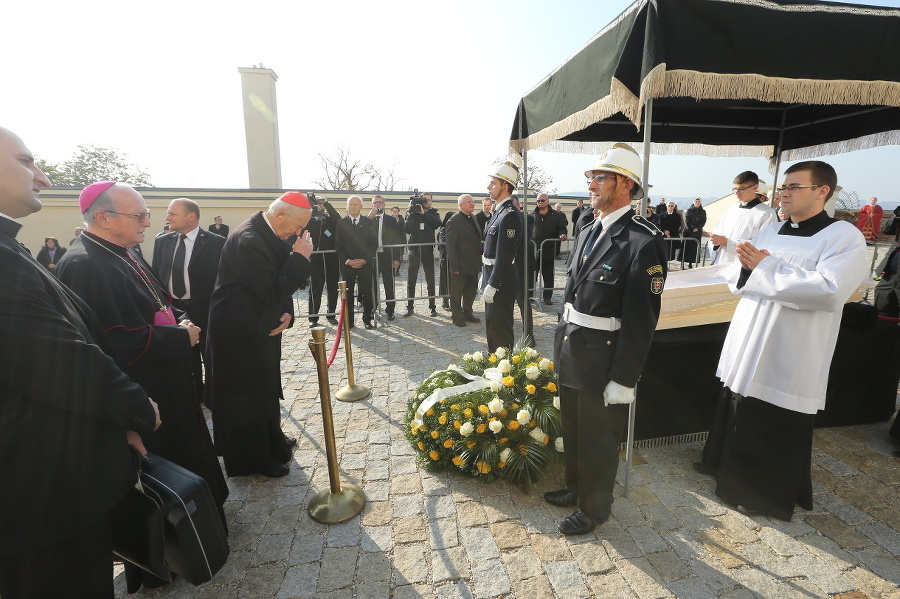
{"x": 502, "y": 241}
{"x": 622, "y": 278}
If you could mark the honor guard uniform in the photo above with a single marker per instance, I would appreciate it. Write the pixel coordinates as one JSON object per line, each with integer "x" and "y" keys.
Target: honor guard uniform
{"x": 612, "y": 304}
{"x": 502, "y": 243}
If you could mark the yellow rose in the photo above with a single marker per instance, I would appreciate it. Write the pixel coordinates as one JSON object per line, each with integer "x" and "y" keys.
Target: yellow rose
{"x": 454, "y": 406}
{"x": 442, "y": 419}
{"x": 433, "y": 455}
{"x": 421, "y": 446}
{"x": 513, "y": 425}
{"x": 413, "y": 426}
{"x": 422, "y": 427}
{"x": 457, "y": 460}
{"x": 484, "y": 409}
{"x": 550, "y": 387}
{"x": 430, "y": 412}
{"x": 457, "y": 424}
{"x": 448, "y": 443}
{"x": 532, "y": 364}
{"x": 504, "y": 412}
{"x": 483, "y": 467}
{"x": 551, "y": 365}
{"x": 503, "y": 440}
{"x": 492, "y": 359}
{"x": 509, "y": 381}
{"x": 515, "y": 406}
{"x": 531, "y": 389}
{"x": 480, "y": 428}
{"x": 467, "y": 412}
{"x": 435, "y": 434}
{"x": 516, "y": 359}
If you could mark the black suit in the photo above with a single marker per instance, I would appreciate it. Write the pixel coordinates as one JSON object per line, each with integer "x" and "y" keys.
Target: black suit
{"x": 463, "y": 250}
{"x": 623, "y": 278}
{"x": 203, "y": 267}
{"x": 887, "y": 290}
{"x": 357, "y": 242}
{"x": 391, "y": 233}
{"x": 66, "y": 407}
{"x": 221, "y": 230}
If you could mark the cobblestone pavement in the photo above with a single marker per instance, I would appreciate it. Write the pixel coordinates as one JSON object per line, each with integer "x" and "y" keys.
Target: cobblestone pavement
{"x": 442, "y": 536}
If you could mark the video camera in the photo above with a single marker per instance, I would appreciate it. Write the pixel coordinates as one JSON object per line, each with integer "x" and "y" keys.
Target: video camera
{"x": 417, "y": 203}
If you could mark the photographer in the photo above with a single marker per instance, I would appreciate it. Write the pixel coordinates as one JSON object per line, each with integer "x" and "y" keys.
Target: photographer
{"x": 326, "y": 270}
{"x": 421, "y": 222}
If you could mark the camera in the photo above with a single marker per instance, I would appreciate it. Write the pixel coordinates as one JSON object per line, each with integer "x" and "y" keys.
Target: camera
{"x": 417, "y": 202}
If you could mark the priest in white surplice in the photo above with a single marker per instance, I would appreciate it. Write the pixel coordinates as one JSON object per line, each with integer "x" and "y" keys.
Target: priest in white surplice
{"x": 742, "y": 221}
{"x": 793, "y": 280}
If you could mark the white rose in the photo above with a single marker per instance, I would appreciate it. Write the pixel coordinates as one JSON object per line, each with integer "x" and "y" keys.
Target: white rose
{"x": 556, "y": 402}
{"x": 496, "y": 386}
{"x": 538, "y": 435}
{"x": 466, "y": 429}
{"x": 504, "y": 366}
{"x": 530, "y": 352}
{"x": 558, "y": 444}
{"x": 544, "y": 364}
{"x": 422, "y": 396}
{"x": 504, "y": 455}
{"x": 524, "y": 417}
{"x": 531, "y": 373}
{"x": 478, "y": 356}
{"x": 496, "y": 426}
{"x": 501, "y": 352}
{"x": 467, "y": 356}
{"x": 495, "y": 405}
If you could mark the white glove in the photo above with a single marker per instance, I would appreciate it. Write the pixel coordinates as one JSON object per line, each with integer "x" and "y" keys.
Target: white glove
{"x": 616, "y": 393}
{"x": 489, "y": 293}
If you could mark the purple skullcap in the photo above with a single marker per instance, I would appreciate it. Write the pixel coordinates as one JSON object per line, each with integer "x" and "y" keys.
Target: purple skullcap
{"x": 89, "y": 194}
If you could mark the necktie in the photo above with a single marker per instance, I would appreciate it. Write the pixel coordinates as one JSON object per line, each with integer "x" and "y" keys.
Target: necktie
{"x": 178, "y": 287}
{"x": 355, "y": 222}
{"x": 592, "y": 238}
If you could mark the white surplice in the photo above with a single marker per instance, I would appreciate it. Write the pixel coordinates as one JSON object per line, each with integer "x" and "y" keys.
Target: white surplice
{"x": 740, "y": 224}
{"x": 781, "y": 341}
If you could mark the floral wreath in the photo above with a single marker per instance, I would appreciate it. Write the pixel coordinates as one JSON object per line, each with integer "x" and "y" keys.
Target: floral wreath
{"x": 492, "y": 416}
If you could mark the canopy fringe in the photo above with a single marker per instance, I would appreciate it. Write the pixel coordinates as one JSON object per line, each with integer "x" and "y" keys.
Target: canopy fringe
{"x": 884, "y": 138}
{"x": 662, "y": 149}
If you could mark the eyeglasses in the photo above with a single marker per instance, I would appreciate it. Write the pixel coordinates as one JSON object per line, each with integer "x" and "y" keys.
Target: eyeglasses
{"x": 138, "y": 217}
{"x": 601, "y": 178}
{"x": 795, "y": 187}
{"x": 737, "y": 189}
{"x": 542, "y": 201}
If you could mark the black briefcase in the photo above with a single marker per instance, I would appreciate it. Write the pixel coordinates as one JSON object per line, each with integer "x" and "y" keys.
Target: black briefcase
{"x": 196, "y": 546}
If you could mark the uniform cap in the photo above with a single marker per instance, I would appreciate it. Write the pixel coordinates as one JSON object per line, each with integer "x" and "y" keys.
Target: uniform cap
{"x": 508, "y": 172}
{"x": 89, "y": 194}
{"x": 295, "y": 198}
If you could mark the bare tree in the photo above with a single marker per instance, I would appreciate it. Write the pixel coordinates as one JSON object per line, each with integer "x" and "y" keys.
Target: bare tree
{"x": 539, "y": 181}
{"x": 344, "y": 173}
{"x": 847, "y": 200}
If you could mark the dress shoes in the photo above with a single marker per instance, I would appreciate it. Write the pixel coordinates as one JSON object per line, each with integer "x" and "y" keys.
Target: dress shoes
{"x": 578, "y": 523}
{"x": 471, "y": 318}
{"x": 548, "y": 302}
{"x": 369, "y": 324}
{"x": 409, "y": 312}
{"x": 332, "y": 320}
{"x": 459, "y": 323}
{"x": 434, "y": 311}
{"x": 391, "y": 316}
{"x": 275, "y": 470}
{"x": 703, "y": 468}
{"x": 291, "y": 441}
{"x": 562, "y": 498}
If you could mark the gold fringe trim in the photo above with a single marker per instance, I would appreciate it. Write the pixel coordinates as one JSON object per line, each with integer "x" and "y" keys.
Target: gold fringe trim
{"x": 662, "y": 149}
{"x": 885, "y": 138}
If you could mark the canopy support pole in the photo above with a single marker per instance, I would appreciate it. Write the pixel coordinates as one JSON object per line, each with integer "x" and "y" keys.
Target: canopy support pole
{"x": 526, "y": 302}
{"x": 778, "y": 159}
{"x": 648, "y": 127}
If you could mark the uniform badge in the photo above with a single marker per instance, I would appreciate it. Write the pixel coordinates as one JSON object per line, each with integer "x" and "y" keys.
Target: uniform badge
{"x": 656, "y": 285}
{"x": 510, "y": 232}
{"x": 654, "y": 269}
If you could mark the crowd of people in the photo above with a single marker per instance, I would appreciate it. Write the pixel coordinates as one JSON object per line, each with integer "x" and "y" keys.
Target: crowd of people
{"x": 203, "y": 324}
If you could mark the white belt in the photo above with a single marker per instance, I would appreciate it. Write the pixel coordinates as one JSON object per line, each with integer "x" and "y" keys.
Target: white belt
{"x": 600, "y": 323}
{"x": 491, "y": 261}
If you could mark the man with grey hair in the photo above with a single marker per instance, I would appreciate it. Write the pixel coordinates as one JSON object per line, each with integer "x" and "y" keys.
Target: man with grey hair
{"x": 355, "y": 244}
{"x": 463, "y": 260}
{"x": 251, "y": 305}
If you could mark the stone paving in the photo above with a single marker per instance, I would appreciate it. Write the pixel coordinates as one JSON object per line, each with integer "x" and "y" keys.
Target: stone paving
{"x": 442, "y": 536}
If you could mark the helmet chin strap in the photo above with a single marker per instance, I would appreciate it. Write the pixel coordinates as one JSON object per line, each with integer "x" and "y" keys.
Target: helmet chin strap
{"x": 612, "y": 194}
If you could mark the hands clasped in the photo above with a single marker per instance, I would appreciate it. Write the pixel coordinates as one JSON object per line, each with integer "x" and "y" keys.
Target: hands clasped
{"x": 749, "y": 256}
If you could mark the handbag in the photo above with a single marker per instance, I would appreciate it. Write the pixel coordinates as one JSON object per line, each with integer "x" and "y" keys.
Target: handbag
{"x": 138, "y": 528}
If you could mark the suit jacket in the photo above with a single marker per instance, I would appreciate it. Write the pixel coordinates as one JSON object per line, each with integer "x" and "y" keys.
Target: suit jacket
{"x": 391, "y": 234}
{"x": 223, "y": 231}
{"x": 66, "y": 407}
{"x": 463, "y": 244}
{"x": 203, "y": 268}
{"x": 356, "y": 241}
{"x": 623, "y": 277}
{"x": 671, "y": 223}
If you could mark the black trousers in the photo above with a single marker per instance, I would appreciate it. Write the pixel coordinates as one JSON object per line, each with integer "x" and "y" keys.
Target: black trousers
{"x": 887, "y": 296}
{"x": 462, "y": 295}
{"x": 79, "y": 568}
{"x": 386, "y": 268}
{"x": 547, "y": 259}
{"x": 444, "y": 283}
{"x": 363, "y": 276}
{"x": 498, "y": 316}
{"x": 592, "y": 434}
{"x": 424, "y": 255}
{"x": 525, "y": 306}
{"x": 325, "y": 273}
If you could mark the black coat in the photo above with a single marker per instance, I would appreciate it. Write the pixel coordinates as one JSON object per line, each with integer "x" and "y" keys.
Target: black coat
{"x": 502, "y": 243}
{"x": 391, "y": 234}
{"x": 222, "y": 231}
{"x": 322, "y": 227}
{"x": 203, "y": 268}
{"x": 421, "y": 227}
{"x": 43, "y": 256}
{"x": 548, "y": 226}
{"x": 66, "y": 407}
{"x": 671, "y": 223}
{"x": 694, "y": 218}
{"x": 356, "y": 242}
{"x": 463, "y": 245}
{"x": 623, "y": 278}
{"x": 576, "y": 214}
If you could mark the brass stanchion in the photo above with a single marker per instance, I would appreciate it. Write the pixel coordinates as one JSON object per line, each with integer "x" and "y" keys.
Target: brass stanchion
{"x": 351, "y": 391}
{"x": 339, "y": 503}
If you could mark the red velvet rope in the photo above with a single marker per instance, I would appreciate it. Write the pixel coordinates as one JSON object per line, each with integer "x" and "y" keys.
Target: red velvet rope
{"x": 337, "y": 335}
{"x": 888, "y": 318}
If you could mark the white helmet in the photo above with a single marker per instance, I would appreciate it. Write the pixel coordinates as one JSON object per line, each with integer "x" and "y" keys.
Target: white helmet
{"x": 508, "y": 172}
{"x": 621, "y": 159}
{"x": 763, "y": 189}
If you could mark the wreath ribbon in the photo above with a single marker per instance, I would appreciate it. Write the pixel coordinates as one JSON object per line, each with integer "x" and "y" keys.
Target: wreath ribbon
{"x": 476, "y": 383}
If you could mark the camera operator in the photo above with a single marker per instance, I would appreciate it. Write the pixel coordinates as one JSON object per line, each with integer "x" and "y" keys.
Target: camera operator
{"x": 421, "y": 222}
{"x": 325, "y": 268}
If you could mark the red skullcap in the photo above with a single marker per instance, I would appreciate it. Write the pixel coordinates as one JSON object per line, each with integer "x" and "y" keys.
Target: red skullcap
{"x": 295, "y": 198}
{"x": 89, "y": 194}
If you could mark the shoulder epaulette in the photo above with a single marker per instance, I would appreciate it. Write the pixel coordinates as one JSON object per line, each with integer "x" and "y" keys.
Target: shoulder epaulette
{"x": 653, "y": 229}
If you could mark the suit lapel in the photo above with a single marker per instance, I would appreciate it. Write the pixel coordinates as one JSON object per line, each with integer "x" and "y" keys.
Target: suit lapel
{"x": 168, "y": 249}
{"x": 603, "y": 245}
{"x": 199, "y": 244}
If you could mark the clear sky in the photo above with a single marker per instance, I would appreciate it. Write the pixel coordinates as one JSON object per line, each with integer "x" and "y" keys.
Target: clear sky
{"x": 428, "y": 88}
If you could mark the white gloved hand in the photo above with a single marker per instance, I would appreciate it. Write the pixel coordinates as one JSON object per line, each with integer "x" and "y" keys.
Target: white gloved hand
{"x": 616, "y": 393}
{"x": 489, "y": 293}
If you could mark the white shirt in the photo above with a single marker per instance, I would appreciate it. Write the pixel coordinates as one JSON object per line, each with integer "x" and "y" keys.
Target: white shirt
{"x": 740, "y": 224}
{"x": 189, "y": 240}
{"x": 781, "y": 340}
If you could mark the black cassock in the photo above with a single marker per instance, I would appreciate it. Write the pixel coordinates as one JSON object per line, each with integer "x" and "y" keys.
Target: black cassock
{"x": 258, "y": 275}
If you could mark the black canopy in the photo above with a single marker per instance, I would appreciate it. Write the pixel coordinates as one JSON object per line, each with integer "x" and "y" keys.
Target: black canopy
{"x": 726, "y": 78}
